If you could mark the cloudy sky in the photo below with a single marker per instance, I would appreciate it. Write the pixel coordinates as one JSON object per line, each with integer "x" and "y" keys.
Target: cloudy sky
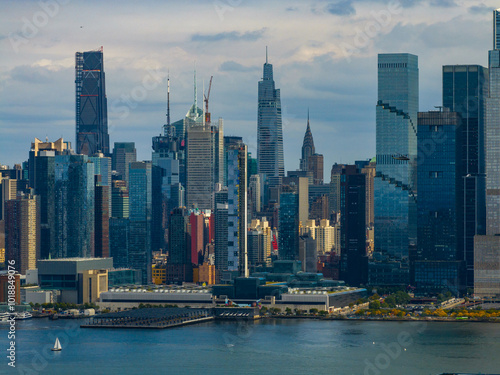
{"x": 324, "y": 55}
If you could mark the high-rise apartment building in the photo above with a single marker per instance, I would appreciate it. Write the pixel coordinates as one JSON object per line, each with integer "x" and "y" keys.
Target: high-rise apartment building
{"x": 465, "y": 90}
{"x": 42, "y": 158}
{"x": 22, "y": 235}
{"x": 269, "y": 129}
{"x": 91, "y": 104}
{"x": 395, "y": 181}
{"x": 237, "y": 194}
{"x": 221, "y": 229}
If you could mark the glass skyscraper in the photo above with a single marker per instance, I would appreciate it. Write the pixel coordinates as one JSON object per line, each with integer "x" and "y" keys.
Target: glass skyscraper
{"x": 435, "y": 268}
{"x": 465, "y": 89}
{"x": 140, "y": 214}
{"x": 289, "y": 223}
{"x": 91, "y": 104}
{"x": 269, "y": 129}
{"x": 74, "y": 194}
{"x": 493, "y": 134}
{"x": 394, "y": 185}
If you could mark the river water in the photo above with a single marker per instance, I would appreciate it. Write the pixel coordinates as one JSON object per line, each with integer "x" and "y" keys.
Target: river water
{"x": 286, "y": 346}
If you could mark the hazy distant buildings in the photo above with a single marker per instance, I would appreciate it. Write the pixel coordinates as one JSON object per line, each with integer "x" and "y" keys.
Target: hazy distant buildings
{"x": 269, "y": 129}
{"x": 394, "y": 186}
{"x": 91, "y": 104}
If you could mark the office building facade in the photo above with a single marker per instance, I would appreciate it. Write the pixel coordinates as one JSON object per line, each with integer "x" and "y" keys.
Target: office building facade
{"x": 395, "y": 185}
{"x": 465, "y": 90}
{"x": 269, "y": 129}
{"x": 91, "y": 104}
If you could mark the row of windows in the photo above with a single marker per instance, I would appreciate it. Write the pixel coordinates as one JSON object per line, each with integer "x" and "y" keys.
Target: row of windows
{"x": 393, "y": 65}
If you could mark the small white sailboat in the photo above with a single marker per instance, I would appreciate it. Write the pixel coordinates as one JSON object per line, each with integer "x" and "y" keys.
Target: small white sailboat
{"x": 57, "y": 346}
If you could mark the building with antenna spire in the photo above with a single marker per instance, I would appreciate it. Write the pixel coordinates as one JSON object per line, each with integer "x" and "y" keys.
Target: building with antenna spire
{"x": 204, "y": 156}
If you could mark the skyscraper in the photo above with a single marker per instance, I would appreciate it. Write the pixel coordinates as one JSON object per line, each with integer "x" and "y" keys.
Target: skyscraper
{"x": 353, "y": 226}
{"x": 308, "y": 148}
{"x": 139, "y": 249}
{"x": 434, "y": 265}
{"x": 74, "y": 194}
{"x": 493, "y": 134}
{"x": 204, "y": 157}
{"x": 237, "y": 195}
{"x": 465, "y": 89}
{"x": 22, "y": 236}
{"x": 42, "y": 178}
{"x": 486, "y": 248}
{"x": 311, "y": 161}
{"x": 124, "y": 153}
{"x": 394, "y": 185}
{"x": 289, "y": 223}
{"x": 91, "y": 104}
{"x": 269, "y": 129}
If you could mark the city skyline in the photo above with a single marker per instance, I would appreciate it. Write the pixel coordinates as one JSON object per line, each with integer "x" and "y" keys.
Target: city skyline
{"x": 311, "y": 67}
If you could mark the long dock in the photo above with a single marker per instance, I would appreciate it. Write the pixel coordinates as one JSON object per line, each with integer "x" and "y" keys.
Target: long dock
{"x": 154, "y": 318}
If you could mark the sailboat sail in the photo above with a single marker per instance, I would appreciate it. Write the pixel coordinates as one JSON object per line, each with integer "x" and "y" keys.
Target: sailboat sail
{"x": 57, "y": 345}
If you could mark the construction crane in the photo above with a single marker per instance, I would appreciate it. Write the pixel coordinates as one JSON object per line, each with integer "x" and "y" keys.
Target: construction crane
{"x": 206, "y": 97}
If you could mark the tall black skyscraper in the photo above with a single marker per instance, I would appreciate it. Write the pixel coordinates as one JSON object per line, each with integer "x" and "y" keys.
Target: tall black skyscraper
{"x": 91, "y": 104}
{"x": 465, "y": 89}
{"x": 434, "y": 265}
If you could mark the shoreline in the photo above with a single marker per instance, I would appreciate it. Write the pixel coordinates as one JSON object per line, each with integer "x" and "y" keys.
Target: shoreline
{"x": 388, "y": 319}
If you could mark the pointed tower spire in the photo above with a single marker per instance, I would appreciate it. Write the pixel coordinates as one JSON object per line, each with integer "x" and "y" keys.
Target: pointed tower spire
{"x": 308, "y": 148}
{"x": 168, "y": 99}
{"x": 195, "y": 92}
{"x": 266, "y": 54}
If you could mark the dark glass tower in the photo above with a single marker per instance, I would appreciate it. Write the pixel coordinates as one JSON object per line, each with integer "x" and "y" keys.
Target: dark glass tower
{"x": 394, "y": 186}
{"x": 91, "y": 104}
{"x": 435, "y": 268}
{"x": 140, "y": 193}
{"x": 74, "y": 195}
{"x": 353, "y": 226}
{"x": 269, "y": 129}
{"x": 289, "y": 223}
{"x": 465, "y": 89}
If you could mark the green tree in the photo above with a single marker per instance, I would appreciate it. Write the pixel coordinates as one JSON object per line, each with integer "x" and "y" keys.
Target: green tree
{"x": 374, "y": 305}
{"x": 390, "y": 301}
